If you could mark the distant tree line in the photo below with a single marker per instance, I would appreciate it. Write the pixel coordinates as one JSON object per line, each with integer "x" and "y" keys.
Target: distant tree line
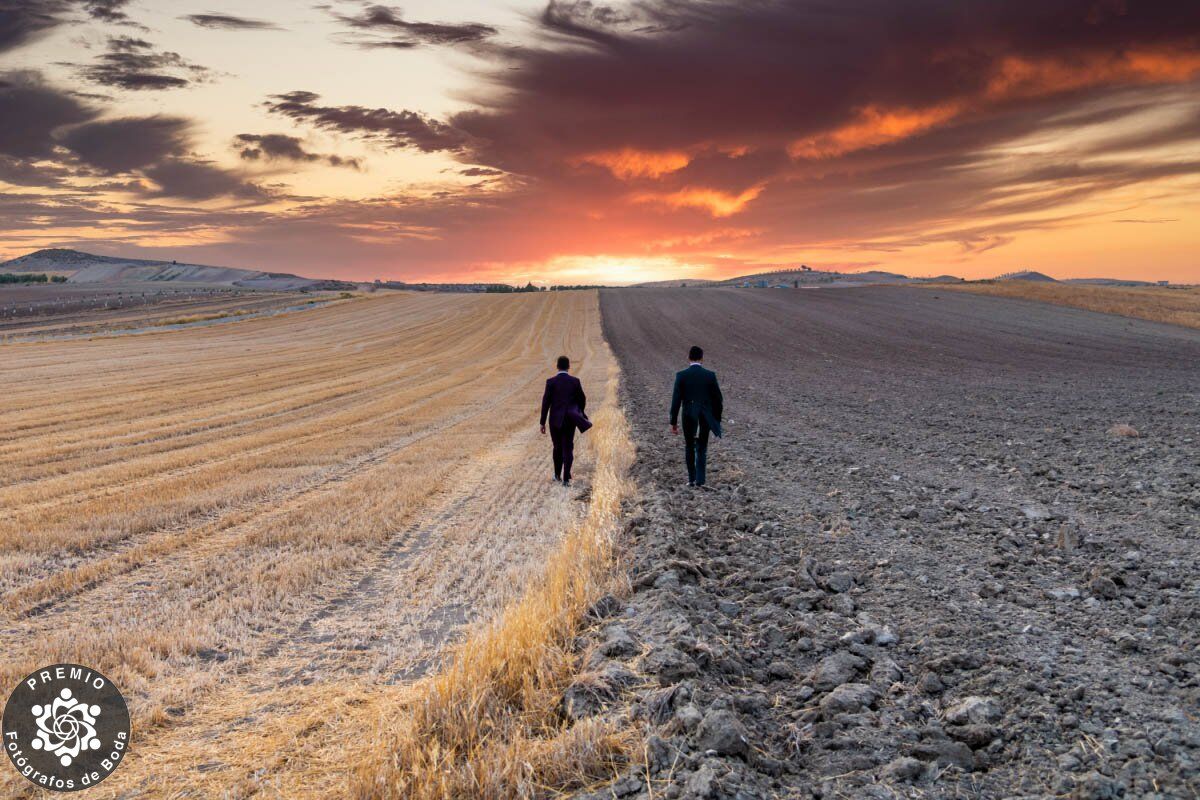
{"x": 502, "y": 288}
{"x": 31, "y": 277}
{"x": 487, "y": 288}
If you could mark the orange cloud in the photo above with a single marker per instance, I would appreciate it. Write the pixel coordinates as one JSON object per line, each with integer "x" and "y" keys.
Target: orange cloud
{"x": 715, "y": 236}
{"x": 628, "y": 163}
{"x": 714, "y": 201}
{"x": 1020, "y": 77}
{"x": 875, "y": 126}
{"x": 1014, "y": 77}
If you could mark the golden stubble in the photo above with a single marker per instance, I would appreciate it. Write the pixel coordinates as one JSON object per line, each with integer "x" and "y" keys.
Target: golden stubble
{"x": 1178, "y": 305}
{"x": 296, "y": 543}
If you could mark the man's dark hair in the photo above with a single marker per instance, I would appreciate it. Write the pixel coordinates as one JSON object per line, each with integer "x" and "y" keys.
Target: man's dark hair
{"x": 695, "y": 354}
{"x": 564, "y": 362}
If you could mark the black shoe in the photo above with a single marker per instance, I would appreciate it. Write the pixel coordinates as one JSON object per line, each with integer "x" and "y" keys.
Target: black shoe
{"x": 566, "y": 482}
{"x": 691, "y": 483}
{"x": 557, "y": 479}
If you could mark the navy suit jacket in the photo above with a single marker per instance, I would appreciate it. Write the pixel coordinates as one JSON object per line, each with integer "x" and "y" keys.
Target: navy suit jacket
{"x": 564, "y": 401}
{"x": 698, "y": 396}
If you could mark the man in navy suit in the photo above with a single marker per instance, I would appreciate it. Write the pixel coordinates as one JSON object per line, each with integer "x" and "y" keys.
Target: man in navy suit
{"x": 698, "y": 396}
{"x": 563, "y": 403}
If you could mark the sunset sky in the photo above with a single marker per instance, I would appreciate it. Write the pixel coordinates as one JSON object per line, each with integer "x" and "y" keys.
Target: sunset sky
{"x": 579, "y": 142}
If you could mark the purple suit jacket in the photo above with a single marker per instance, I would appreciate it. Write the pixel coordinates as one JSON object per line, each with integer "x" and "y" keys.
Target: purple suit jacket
{"x": 564, "y": 401}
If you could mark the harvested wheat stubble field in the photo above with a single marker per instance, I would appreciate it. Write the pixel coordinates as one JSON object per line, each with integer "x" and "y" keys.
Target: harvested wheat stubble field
{"x": 68, "y": 311}
{"x": 932, "y": 560}
{"x": 1178, "y": 305}
{"x": 263, "y": 531}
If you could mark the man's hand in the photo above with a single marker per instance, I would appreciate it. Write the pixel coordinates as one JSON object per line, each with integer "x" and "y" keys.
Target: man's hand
{"x": 675, "y": 429}
{"x": 543, "y": 428}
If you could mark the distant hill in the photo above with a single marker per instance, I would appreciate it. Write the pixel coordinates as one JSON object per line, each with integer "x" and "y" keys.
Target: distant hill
{"x": 813, "y": 277}
{"x": 1026, "y": 275}
{"x": 805, "y": 278}
{"x": 676, "y": 282}
{"x": 88, "y": 268}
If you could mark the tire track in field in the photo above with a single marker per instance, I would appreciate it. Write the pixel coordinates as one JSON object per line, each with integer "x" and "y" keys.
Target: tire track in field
{"x": 308, "y": 649}
{"x": 360, "y": 624}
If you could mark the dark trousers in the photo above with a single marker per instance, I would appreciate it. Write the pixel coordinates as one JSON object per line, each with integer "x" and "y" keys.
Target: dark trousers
{"x": 695, "y": 448}
{"x": 564, "y": 449}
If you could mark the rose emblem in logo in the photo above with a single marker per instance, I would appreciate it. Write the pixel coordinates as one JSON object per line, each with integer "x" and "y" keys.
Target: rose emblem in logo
{"x": 66, "y": 727}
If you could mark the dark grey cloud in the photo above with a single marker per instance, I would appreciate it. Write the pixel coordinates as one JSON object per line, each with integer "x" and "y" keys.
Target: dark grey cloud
{"x": 107, "y": 10}
{"x": 128, "y": 44}
{"x": 385, "y": 27}
{"x": 200, "y": 180}
{"x": 158, "y": 148}
{"x": 131, "y": 186}
{"x": 281, "y": 147}
{"x": 399, "y": 129}
{"x": 91, "y": 96}
{"x": 61, "y": 140}
{"x": 122, "y": 145}
{"x": 31, "y": 112}
{"x": 594, "y": 22}
{"x": 83, "y": 210}
{"x": 133, "y": 63}
{"x": 480, "y": 172}
{"x": 22, "y": 172}
{"x": 21, "y": 21}
{"x": 229, "y": 22}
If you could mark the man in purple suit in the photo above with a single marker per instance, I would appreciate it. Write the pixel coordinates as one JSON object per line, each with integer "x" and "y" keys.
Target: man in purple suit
{"x": 563, "y": 403}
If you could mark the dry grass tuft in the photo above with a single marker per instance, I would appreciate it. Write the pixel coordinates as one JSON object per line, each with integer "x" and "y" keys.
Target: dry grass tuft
{"x": 197, "y": 318}
{"x": 490, "y": 725}
{"x": 1177, "y": 306}
{"x": 1121, "y": 429}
